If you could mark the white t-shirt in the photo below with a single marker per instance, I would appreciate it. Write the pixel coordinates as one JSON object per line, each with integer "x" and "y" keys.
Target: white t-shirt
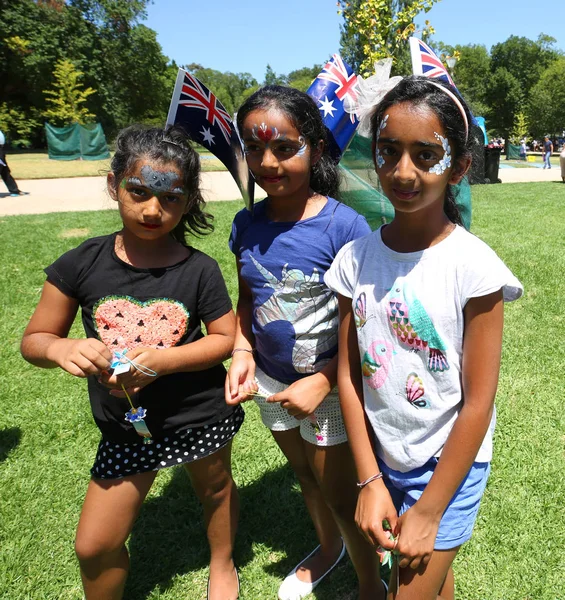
{"x": 408, "y": 311}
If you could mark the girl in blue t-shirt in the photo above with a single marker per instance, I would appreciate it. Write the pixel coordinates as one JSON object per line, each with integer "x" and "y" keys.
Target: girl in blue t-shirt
{"x": 155, "y": 382}
{"x": 285, "y": 351}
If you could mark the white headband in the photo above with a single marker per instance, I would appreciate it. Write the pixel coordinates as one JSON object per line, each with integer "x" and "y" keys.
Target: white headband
{"x": 372, "y": 90}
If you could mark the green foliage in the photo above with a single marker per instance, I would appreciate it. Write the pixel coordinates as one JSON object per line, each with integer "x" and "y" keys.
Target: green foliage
{"x": 18, "y": 127}
{"x": 471, "y": 71}
{"x": 375, "y": 29}
{"x": 547, "y": 101}
{"x": 67, "y": 98}
{"x": 505, "y": 98}
{"x": 228, "y": 87}
{"x": 520, "y": 128}
{"x": 271, "y": 78}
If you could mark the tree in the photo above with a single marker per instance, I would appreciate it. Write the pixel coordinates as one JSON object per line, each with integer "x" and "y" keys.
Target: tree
{"x": 520, "y": 129}
{"x": 375, "y": 29}
{"x": 302, "y": 79}
{"x": 505, "y": 99}
{"x": 471, "y": 73}
{"x": 524, "y": 59}
{"x": 271, "y": 78}
{"x": 547, "y": 101}
{"x": 67, "y": 98}
{"x": 230, "y": 88}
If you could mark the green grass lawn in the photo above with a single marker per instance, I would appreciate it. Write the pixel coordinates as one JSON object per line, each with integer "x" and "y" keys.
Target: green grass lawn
{"x": 37, "y": 165}
{"x": 48, "y": 439}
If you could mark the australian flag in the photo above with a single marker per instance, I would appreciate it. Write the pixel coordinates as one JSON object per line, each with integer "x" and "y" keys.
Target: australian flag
{"x": 425, "y": 62}
{"x": 195, "y": 108}
{"x": 335, "y": 93}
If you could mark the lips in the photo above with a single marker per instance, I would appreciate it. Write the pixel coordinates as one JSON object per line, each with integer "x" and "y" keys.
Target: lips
{"x": 271, "y": 180}
{"x": 150, "y": 225}
{"x": 405, "y": 195}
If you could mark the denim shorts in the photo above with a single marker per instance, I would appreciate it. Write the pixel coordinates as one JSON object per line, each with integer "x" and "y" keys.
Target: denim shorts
{"x": 459, "y": 518}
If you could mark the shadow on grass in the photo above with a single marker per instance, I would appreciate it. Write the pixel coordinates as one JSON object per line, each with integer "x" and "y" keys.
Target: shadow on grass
{"x": 9, "y": 439}
{"x": 169, "y": 537}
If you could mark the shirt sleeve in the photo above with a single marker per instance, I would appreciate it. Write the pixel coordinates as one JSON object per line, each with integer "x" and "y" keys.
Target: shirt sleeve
{"x": 485, "y": 273}
{"x": 213, "y": 298}
{"x": 359, "y": 228}
{"x": 240, "y": 222}
{"x": 64, "y": 274}
{"x": 340, "y": 277}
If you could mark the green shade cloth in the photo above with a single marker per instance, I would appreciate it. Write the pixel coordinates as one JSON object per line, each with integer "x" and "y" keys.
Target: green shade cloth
{"x": 360, "y": 187}
{"x": 77, "y": 141}
{"x": 514, "y": 153}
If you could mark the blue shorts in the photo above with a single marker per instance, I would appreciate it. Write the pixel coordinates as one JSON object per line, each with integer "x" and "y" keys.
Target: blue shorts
{"x": 460, "y": 515}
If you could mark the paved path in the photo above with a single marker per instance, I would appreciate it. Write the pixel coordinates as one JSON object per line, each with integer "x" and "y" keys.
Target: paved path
{"x": 89, "y": 193}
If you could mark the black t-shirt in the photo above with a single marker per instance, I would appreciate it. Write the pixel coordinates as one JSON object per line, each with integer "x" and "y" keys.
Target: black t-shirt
{"x": 127, "y": 307}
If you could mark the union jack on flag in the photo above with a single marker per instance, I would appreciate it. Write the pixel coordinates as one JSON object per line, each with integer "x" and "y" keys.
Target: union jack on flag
{"x": 425, "y": 62}
{"x": 195, "y": 108}
{"x": 335, "y": 93}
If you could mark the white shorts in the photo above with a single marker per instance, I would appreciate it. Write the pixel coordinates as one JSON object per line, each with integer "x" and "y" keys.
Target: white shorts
{"x": 322, "y": 428}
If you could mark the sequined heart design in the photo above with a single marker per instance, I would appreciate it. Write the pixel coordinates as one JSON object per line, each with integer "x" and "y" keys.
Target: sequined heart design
{"x": 122, "y": 322}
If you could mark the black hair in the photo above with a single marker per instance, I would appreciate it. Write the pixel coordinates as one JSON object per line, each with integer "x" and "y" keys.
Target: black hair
{"x": 420, "y": 91}
{"x": 169, "y": 145}
{"x": 303, "y": 113}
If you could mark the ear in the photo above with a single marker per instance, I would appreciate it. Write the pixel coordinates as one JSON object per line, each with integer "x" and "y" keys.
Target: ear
{"x": 111, "y": 184}
{"x": 460, "y": 170}
{"x": 317, "y": 152}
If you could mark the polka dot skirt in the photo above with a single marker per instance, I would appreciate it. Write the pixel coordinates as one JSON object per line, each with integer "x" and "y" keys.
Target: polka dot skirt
{"x": 116, "y": 459}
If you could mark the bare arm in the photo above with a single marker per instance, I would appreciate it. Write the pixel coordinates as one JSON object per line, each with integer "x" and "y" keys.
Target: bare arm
{"x": 482, "y": 344}
{"x": 241, "y": 374}
{"x": 374, "y": 504}
{"x": 45, "y": 343}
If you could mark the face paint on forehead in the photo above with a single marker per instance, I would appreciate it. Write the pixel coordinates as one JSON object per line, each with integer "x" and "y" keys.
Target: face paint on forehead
{"x": 266, "y": 134}
{"x": 378, "y": 156}
{"x": 159, "y": 181}
{"x": 444, "y": 164}
{"x": 302, "y": 150}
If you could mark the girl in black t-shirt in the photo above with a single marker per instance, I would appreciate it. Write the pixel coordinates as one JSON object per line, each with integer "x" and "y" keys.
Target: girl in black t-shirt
{"x": 155, "y": 382}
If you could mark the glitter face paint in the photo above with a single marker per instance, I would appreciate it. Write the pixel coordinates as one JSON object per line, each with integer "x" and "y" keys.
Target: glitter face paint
{"x": 380, "y": 161}
{"x": 159, "y": 182}
{"x": 444, "y": 164}
{"x": 269, "y": 134}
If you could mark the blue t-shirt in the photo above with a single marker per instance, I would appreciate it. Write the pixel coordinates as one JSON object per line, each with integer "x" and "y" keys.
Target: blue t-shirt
{"x": 295, "y": 315}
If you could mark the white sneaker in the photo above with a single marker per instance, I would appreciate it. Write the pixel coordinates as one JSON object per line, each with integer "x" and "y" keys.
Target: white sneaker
{"x": 294, "y": 589}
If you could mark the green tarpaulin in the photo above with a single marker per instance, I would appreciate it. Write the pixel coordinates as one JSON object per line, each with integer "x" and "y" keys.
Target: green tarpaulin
{"x": 514, "y": 153}
{"x": 76, "y": 141}
{"x": 361, "y": 190}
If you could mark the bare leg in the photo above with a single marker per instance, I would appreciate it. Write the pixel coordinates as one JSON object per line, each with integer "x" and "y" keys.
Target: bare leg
{"x": 108, "y": 515}
{"x": 213, "y": 484}
{"x": 335, "y": 472}
{"x": 431, "y": 582}
{"x": 293, "y": 447}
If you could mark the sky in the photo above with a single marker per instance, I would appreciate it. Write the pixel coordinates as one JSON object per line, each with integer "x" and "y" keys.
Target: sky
{"x": 246, "y": 35}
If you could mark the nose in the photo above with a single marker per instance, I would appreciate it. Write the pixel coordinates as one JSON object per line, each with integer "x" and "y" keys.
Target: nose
{"x": 152, "y": 208}
{"x": 405, "y": 170}
{"x": 269, "y": 160}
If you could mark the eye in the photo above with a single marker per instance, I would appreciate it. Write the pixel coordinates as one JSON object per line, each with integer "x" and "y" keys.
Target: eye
{"x": 387, "y": 151}
{"x": 427, "y": 155}
{"x": 171, "y": 198}
{"x": 138, "y": 192}
{"x": 250, "y": 147}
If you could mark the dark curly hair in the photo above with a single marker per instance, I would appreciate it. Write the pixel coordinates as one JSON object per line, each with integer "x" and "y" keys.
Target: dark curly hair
{"x": 420, "y": 91}
{"x": 303, "y": 113}
{"x": 169, "y": 145}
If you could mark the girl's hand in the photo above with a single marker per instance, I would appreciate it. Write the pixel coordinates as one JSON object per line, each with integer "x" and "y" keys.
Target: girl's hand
{"x": 302, "y": 398}
{"x": 373, "y": 507}
{"x": 134, "y": 380}
{"x": 240, "y": 380}
{"x": 80, "y": 358}
{"x": 417, "y": 535}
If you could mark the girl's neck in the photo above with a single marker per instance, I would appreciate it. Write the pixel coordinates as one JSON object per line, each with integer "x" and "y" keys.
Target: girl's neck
{"x": 295, "y": 208}
{"x": 149, "y": 254}
{"x": 416, "y": 232}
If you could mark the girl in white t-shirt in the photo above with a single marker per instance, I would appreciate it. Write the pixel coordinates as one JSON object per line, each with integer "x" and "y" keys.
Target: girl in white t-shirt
{"x": 421, "y": 314}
